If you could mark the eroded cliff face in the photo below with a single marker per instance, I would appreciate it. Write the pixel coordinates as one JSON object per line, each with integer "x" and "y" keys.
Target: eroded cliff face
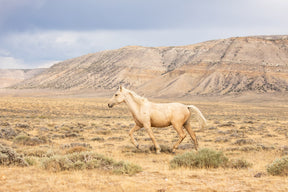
{"x": 227, "y": 66}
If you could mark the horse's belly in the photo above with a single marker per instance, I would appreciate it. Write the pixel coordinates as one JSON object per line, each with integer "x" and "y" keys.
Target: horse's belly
{"x": 160, "y": 122}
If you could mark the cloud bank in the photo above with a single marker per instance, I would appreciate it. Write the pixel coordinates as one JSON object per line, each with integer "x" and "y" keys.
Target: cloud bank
{"x": 37, "y": 33}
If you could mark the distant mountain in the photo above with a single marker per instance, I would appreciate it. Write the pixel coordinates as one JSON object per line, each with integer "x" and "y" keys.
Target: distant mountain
{"x": 9, "y": 77}
{"x": 219, "y": 67}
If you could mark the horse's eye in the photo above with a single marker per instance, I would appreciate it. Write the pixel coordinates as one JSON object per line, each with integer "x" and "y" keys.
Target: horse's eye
{"x": 116, "y": 95}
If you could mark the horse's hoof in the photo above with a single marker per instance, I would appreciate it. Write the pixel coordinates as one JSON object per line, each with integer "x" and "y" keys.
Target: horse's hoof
{"x": 173, "y": 151}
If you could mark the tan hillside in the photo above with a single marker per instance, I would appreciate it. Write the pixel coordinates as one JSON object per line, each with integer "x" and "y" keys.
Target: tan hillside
{"x": 227, "y": 66}
{"x": 9, "y": 77}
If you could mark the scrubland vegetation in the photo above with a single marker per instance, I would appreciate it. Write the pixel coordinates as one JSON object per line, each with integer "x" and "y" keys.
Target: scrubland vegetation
{"x": 78, "y": 144}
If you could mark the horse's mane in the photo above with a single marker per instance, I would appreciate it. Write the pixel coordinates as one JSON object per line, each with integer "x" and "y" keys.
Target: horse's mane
{"x": 137, "y": 97}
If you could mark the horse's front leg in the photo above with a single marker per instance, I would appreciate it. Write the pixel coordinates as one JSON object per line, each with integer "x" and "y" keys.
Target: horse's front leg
{"x": 135, "y": 128}
{"x": 148, "y": 128}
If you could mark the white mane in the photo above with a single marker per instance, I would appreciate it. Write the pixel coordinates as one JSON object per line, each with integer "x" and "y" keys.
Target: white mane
{"x": 136, "y": 96}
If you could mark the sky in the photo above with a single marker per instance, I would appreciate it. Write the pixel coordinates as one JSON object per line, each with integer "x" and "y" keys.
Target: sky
{"x": 40, "y": 33}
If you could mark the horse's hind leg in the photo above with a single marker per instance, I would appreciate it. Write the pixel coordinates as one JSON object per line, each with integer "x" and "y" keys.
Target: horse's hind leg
{"x": 181, "y": 134}
{"x": 192, "y": 134}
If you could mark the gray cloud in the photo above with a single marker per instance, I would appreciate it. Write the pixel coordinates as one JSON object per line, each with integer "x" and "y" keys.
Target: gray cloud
{"x": 95, "y": 14}
{"x": 34, "y": 32}
{"x": 138, "y": 15}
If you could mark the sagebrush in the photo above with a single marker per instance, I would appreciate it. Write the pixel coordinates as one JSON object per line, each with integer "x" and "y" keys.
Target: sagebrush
{"x": 279, "y": 167}
{"x": 9, "y": 157}
{"x": 205, "y": 158}
{"x": 88, "y": 160}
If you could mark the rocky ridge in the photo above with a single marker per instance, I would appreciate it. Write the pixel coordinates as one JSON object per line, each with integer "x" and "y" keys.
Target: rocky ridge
{"x": 219, "y": 67}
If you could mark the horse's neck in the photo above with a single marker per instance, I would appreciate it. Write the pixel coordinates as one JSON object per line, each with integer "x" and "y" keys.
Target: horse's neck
{"x": 134, "y": 104}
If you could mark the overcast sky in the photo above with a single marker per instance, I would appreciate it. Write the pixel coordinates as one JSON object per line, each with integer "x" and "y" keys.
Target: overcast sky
{"x": 38, "y": 33}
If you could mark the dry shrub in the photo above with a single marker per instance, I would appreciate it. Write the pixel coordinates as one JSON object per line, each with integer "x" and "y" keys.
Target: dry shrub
{"x": 102, "y": 131}
{"x": 7, "y": 133}
{"x": 30, "y": 141}
{"x": 34, "y": 152}
{"x": 239, "y": 164}
{"x": 76, "y": 149}
{"x": 24, "y": 126}
{"x": 88, "y": 160}
{"x": 145, "y": 149}
{"x": 279, "y": 167}
{"x": 9, "y": 157}
{"x": 99, "y": 139}
{"x": 243, "y": 142}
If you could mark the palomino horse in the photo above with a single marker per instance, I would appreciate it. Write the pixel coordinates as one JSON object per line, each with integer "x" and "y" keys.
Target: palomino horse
{"x": 147, "y": 114}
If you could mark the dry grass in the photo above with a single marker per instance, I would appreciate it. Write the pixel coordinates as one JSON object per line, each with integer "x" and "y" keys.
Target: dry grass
{"x": 256, "y": 133}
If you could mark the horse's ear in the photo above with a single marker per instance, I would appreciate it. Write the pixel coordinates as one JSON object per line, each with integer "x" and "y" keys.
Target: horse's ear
{"x": 120, "y": 87}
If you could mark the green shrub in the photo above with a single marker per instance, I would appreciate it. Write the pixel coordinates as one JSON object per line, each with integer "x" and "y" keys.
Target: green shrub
{"x": 126, "y": 168}
{"x": 279, "y": 167}
{"x": 56, "y": 164}
{"x": 22, "y": 139}
{"x": 31, "y": 161}
{"x": 205, "y": 158}
{"x": 79, "y": 165}
{"x": 88, "y": 160}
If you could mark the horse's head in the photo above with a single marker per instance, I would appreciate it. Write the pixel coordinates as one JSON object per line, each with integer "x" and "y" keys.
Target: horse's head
{"x": 117, "y": 98}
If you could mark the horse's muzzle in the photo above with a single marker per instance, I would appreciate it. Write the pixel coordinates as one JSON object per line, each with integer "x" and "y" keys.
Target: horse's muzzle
{"x": 110, "y": 105}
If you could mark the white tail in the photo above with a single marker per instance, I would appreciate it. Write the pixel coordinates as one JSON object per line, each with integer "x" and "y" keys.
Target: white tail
{"x": 201, "y": 119}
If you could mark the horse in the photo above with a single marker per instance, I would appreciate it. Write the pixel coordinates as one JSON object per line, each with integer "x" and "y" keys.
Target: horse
{"x": 148, "y": 114}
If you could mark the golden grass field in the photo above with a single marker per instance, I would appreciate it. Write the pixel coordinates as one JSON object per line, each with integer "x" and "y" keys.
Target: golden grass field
{"x": 256, "y": 132}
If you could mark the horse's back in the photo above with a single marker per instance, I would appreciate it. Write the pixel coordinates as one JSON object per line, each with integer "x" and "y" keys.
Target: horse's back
{"x": 165, "y": 114}
{"x": 180, "y": 112}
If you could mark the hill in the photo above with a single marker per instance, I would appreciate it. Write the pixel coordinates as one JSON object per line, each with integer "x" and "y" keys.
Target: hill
{"x": 227, "y": 66}
{"x": 9, "y": 77}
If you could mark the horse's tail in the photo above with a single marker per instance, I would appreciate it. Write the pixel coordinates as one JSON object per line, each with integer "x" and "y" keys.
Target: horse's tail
{"x": 201, "y": 119}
